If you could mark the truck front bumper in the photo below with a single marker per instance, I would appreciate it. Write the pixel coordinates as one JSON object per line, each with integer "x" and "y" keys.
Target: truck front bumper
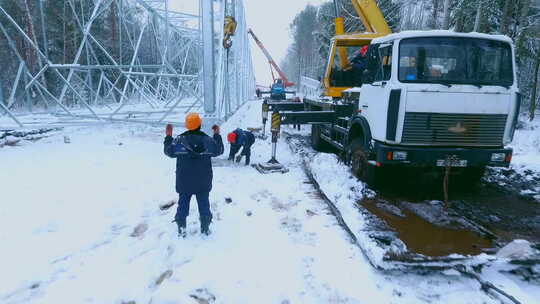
{"x": 432, "y": 157}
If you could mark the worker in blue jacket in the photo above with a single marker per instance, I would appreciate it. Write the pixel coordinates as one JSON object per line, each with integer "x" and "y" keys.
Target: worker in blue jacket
{"x": 359, "y": 65}
{"x": 240, "y": 139}
{"x": 193, "y": 151}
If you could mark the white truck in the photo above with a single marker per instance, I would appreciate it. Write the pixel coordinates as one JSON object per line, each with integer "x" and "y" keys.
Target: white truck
{"x": 426, "y": 99}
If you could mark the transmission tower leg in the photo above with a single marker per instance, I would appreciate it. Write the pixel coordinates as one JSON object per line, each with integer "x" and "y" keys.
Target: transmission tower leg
{"x": 209, "y": 69}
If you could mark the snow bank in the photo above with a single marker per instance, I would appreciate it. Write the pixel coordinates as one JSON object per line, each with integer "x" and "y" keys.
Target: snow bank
{"x": 345, "y": 191}
{"x": 526, "y": 146}
{"x": 517, "y": 249}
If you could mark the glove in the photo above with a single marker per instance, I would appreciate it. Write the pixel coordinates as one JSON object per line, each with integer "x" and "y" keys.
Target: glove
{"x": 216, "y": 129}
{"x": 238, "y": 158}
{"x": 168, "y": 140}
{"x": 169, "y": 130}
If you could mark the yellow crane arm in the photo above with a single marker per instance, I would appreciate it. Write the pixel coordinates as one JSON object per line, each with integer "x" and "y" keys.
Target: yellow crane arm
{"x": 371, "y": 16}
{"x": 340, "y": 30}
{"x": 376, "y": 26}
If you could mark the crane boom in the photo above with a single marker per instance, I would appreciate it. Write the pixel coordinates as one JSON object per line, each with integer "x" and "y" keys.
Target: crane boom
{"x": 375, "y": 26}
{"x": 271, "y": 60}
{"x": 371, "y": 16}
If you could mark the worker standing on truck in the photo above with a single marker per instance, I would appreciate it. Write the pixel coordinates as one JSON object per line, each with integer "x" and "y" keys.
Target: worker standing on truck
{"x": 241, "y": 139}
{"x": 193, "y": 151}
{"x": 359, "y": 64}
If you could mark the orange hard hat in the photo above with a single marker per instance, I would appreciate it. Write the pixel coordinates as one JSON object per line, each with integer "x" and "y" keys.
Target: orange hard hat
{"x": 193, "y": 121}
{"x": 231, "y": 137}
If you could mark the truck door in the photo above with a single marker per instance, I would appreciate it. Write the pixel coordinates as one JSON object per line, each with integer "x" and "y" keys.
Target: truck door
{"x": 375, "y": 90}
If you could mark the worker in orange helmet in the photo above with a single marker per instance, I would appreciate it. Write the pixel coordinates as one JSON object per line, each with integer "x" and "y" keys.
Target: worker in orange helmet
{"x": 193, "y": 151}
{"x": 240, "y": 139}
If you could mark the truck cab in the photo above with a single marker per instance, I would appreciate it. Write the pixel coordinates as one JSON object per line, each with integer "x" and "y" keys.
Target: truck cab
{"x": 277, "y": 90}
{"x": 434, "y": 98}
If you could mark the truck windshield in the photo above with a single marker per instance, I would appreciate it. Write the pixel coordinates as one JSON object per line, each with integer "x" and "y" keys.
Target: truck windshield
{"x": 449, "y": 60}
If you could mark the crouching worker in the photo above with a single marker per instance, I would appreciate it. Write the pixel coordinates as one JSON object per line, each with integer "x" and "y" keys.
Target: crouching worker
{"x": 241, "y": 139}
{"x": 193, "y": 151}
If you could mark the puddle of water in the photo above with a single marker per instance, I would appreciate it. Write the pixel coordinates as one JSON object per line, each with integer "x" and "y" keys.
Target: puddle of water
{"x": 422, "y": 237}
{"x": 498, "y": 208}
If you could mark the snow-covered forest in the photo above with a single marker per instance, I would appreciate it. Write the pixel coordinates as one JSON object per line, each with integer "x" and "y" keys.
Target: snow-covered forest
{"x": 313, "y": 28}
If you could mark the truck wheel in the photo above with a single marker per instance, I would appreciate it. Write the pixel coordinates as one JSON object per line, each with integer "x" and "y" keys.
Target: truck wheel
{"x": 359, "y": 162}
{"x": 317, "y": 143}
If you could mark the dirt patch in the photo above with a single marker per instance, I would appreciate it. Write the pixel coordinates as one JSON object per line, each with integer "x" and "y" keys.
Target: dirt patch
{"x": 167, "y": 206}
{"x": 423, "y": 237}
{"x": 495, "y": 205}
{"x": 138, "y": 232}
{"x": 525, "y": 184}
{"x": 167, "y": 274}
{"x": 281, "y": 206}
{"x": 203, "y": 296}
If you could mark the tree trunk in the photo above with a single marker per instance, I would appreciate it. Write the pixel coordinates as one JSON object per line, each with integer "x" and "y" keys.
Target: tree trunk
{"x": 522, "y": 24}
{"x": 525, "y": 6}
{"x": 114, "y": 30}
{"x": 534, "y": 88}
{"x": 505, "y": 20}
{"x": 479, "y": 16}
{"x": 30, "y": 52}
{"x": 434, "y": 23}
{"x": 64, "y": 36}
{"x": 446, "y": 14}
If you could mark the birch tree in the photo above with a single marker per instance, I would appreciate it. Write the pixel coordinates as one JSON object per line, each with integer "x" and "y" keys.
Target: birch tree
{"x": 446, "y": 15}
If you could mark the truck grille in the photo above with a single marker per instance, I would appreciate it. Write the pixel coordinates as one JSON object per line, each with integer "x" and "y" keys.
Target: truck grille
{"x": 454, "y": 129}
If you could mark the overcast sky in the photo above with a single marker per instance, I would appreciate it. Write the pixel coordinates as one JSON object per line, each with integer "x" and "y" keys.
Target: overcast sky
{"x": 270, "y": 20}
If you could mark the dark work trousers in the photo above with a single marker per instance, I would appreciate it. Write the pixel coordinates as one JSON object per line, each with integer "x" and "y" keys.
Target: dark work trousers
{"x": 183, "y": 208}
{"x": 247, "y": 152}
{"x": 233, "y": 151}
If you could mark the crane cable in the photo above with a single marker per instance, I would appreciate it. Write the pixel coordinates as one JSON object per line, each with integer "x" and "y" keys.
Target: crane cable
{"x": 229, "y": 29}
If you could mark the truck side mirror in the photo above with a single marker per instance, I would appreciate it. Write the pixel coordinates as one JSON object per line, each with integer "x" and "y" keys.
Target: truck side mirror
{"x": 367, "y": 77}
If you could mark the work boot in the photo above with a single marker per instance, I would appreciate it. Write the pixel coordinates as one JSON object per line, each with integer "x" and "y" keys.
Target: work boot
{"x": 181, "y": 228}
{"x": 182, "y": 232}
{"x": 205, "y": 226}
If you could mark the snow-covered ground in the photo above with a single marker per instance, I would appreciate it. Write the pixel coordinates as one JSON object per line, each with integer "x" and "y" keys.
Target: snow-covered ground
{"x": 526, "y": 159}
{"x": 527, "y": 146}
{"x": 81, "y": 223}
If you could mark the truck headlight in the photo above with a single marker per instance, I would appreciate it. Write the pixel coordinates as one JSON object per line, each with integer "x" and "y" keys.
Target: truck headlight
{"x": 498, "y": 157}
{"x": 400, "y": 155}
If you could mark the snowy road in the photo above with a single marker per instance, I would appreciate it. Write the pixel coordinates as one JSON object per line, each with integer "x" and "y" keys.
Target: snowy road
{"x": 69, "y": 211}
